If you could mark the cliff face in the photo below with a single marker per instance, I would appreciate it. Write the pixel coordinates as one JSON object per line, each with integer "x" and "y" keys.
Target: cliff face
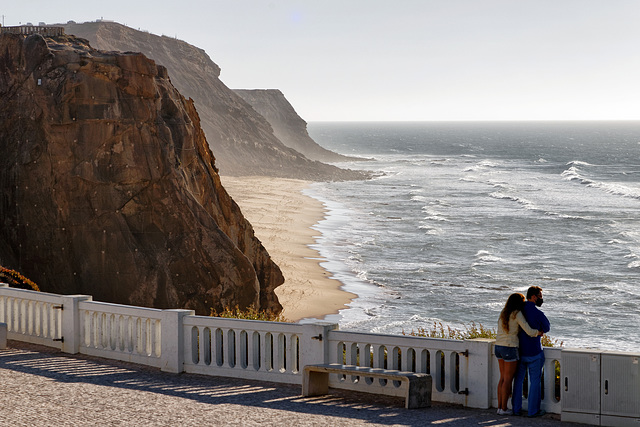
{"x": 109, "y": 186}
{"x": 287, "y": 125}
{"x": 242, "y": 140}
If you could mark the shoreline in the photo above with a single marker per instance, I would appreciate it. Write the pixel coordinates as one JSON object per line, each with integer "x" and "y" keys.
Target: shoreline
{"x": 282, "y": 218}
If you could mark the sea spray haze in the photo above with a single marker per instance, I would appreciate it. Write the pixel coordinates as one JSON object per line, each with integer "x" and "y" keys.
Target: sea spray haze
{"x": 467, "y": 213}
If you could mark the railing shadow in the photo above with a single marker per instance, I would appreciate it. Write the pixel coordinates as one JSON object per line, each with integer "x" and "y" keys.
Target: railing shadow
{"x": 382, "y": 410}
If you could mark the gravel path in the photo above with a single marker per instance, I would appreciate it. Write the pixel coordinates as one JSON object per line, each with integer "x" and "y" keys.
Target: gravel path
{"x": 44, "y": 387}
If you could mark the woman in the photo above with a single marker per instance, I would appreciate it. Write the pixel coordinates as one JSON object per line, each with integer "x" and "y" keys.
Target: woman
{"x": 506, "y": 346}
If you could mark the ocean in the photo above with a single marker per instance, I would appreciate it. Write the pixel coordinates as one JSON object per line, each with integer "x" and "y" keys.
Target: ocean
{"x": 460, "y": 215}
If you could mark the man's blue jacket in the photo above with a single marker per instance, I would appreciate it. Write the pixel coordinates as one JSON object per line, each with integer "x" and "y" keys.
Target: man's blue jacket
{"x": 531, "y": 346}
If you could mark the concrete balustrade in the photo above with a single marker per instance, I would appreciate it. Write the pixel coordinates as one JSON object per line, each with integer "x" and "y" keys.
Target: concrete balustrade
{"x": 132, "y": 334}
{"x": 447, "y": 361}
{"x": 31, "y": 316}
{"x": 463, "y": 371}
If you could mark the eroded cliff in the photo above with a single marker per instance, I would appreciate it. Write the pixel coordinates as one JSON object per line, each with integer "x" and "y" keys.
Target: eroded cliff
{"x": 242, "y": 140}
{"x": 109, "y": 187}
{"x": 287, "y": 125}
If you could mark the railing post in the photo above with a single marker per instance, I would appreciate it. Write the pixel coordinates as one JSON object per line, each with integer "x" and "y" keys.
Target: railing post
{"x": 478, "y": 378}
{"x": 70, "y": 331}
{"x": 315, "y": 343}
{"x": 171, "y": 334}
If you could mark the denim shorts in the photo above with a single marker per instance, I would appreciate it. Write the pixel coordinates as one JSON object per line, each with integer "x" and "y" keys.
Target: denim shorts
{"x": 508, "y": 354}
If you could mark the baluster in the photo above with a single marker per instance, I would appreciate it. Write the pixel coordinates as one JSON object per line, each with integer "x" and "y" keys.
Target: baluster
{"x": 406, "y": 362}
{"x": 22, "y": 316}
{"x": 139, "y": 337}
{"x": 83, "y": 328}
{"x": 266, "y": 356}
{"x": 91, "y": 331}
{"x": 146, "y": 325}
{"x": 113, "y": 332}
{"x": 29, "y": 318}
{"x": 358, "y": 349}
{"x": 37, "y": 321}
{"x": 59, "y": 322}
{"x": 46, "y": 320}
{"x": 104, "y": 331}
{"x": 121, "y": 331}
{"x": 131, "y": 333}
{"x": 97, "y": 335}
{"x": 290, "y": 364}
{"x": 157, "y": 338}
{"x": 279, "y": 352}
{"x": 9, "y": 318}
{"x": 208, "y": 351}
{"x": 202, "y": 345}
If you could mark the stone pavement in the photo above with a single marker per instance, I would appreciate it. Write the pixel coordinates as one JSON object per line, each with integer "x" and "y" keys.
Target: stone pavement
{"x": 40, "y": 386}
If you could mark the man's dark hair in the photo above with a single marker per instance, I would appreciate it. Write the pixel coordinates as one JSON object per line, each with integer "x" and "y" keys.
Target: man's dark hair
{"x": 533, "y": 290}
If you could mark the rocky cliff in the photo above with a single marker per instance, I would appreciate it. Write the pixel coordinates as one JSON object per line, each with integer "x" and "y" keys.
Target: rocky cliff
{"x": 242, "y": 140}
{"x": 287, "y": 125}
{"x": 109, "y": 186}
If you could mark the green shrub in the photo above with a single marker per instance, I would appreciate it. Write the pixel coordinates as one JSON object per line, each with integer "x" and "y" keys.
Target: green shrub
{"x": 471, "y": 331}
{"x": 249, "y": 314}
{"x": 438, "y": 330}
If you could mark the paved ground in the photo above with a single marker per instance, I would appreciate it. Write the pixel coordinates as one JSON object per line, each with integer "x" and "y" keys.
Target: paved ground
{"x": 43, "y": 387}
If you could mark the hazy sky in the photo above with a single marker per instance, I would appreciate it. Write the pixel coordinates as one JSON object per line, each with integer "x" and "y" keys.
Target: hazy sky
{"x": 402, "y": 59}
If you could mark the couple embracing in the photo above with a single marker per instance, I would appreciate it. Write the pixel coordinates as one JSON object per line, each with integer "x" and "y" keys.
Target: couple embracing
{"x": 518, "y": 349}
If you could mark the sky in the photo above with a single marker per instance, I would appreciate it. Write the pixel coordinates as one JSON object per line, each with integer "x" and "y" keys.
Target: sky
{"x": 402, "y": 60}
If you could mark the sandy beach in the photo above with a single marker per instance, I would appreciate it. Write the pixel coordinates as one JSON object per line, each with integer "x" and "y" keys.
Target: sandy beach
{"x": 282, "y": 218}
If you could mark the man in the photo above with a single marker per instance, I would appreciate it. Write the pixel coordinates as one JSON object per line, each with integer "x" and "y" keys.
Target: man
{"x": 531, "y": 355}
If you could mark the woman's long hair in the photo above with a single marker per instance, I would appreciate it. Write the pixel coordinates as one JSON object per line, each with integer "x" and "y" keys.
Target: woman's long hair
{"x": 515, "y": 302}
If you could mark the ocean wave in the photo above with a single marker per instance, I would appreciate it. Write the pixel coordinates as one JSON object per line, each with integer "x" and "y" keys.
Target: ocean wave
{"x": 480, "y": 166}
{"x": 502, "y": 196}
{"x": 467, "y": 179}
{"x": 432, "y": 231}
{"x": 634, "y": 264}
{"x": 578, "y": 163}
{"x": 485, "y": 257}
{"x": 434, "y": 216}
{"x": 574, "y": 174}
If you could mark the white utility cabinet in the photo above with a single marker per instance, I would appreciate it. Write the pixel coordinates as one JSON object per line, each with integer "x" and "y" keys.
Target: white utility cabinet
{"x": 620, "y": 389}
{"x": 580, "y": 386}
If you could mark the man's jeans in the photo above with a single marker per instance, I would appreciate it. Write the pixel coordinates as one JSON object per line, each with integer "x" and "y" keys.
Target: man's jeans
{"x": 534, "y": 365}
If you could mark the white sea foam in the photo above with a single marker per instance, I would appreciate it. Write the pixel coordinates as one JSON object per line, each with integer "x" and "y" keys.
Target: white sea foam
{"x": 634, "y": 264}
{"x": 578, "y": 163}
{"x": 524, "y": 202}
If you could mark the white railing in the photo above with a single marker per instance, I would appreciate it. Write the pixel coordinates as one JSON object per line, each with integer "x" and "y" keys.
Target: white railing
{"x": 243, "y": 348}
{"x": 120, "y": 332}
{"x": 31, "y": 316}
{"x": 463, "y": 371}
{"x": 446, "y": 360}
